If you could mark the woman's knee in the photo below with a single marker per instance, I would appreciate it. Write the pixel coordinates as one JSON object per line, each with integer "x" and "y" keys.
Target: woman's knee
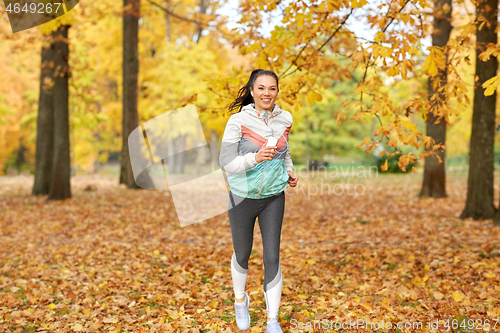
{"x": 242, "y": 257}
{"x": 271, "y": 260}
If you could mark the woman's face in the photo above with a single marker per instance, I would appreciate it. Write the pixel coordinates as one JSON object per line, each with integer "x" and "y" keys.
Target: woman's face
{"x": 265, "y": 91}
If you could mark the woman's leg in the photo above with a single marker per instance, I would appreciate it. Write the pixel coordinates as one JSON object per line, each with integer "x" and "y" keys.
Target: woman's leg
{"x": 242, "y": 220}
{"x": 270, "y": 222}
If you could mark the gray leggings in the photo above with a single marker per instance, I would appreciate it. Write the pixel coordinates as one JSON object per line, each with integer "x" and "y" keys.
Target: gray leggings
{"x": 242, "y": 213}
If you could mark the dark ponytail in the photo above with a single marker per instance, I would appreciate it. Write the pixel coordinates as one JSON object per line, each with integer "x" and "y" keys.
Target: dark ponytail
{"x": 244, "y": 96}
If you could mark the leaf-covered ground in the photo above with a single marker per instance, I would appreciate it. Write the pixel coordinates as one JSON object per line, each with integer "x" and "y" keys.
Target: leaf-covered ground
{"x": 116, "y": 260}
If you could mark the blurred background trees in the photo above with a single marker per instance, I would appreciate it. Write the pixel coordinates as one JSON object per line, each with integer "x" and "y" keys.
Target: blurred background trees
{"x": 364, "y": 80}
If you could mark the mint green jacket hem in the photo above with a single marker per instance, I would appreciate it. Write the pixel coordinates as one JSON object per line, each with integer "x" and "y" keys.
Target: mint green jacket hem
{"x": 259, "y": 196}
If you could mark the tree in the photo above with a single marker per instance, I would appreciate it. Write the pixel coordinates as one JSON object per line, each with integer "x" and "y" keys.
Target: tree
{"x": 304, "y": 50}
{"x": 167, "y": 19}
{"x": 52, "y": 165}
{"x": 61, "y": 168}
{"x": 479, "y": 202}
{"x": 434, "y": 180}
{"x": 131, "y": 13}
{"x": 199, "y": 28}
{"x": 45, "y": 124}
{"x": 176, "y": 161}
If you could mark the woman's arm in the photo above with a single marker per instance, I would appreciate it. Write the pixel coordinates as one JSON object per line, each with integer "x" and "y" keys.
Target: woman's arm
{"x": 288, "y": 159}
{"x": 229, "y": 160}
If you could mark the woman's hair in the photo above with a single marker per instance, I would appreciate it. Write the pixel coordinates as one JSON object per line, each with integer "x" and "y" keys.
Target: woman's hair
{"x": 244, "y": 96}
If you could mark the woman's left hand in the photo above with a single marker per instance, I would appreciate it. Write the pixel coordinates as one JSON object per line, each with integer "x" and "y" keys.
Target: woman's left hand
{"x": 293, "y": 179}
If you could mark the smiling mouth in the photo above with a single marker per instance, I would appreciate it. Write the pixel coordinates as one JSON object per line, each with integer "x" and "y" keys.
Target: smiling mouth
{"x": 266, "y": 99}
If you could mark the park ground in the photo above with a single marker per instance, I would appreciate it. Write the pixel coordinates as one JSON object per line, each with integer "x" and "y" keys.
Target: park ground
{"x": 116, "y": 260}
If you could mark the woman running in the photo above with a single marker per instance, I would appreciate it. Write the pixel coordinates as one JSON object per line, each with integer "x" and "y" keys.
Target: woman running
{"x": 259, "y": 173}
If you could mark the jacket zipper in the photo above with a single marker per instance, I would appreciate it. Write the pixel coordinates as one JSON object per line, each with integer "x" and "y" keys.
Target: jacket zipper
{"x": 264, "y": 172}
{"x": 261, "y": 181}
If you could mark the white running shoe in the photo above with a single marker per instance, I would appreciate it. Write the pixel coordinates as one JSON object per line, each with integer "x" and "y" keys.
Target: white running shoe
{"x": 273, "y": 326}
{"x": 242, "y": 314}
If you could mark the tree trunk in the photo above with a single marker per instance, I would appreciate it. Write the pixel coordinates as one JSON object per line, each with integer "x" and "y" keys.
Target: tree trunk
{"x": 199, "y": 28}
{"x": 20, "y": 159}
{"x": 214, "y": 149}
{"x": 179, "y": 158}
{"x": 130, "y": 77}
{"x": 199, "y": 155}
{"x": 171, "y": 155}
{"x": 479, "y": 203}
{"x": 434, "y": 181}
{"x": 167, "y": 18}
{"x": 61, "y": 167}
{"x": 44, "y": 127}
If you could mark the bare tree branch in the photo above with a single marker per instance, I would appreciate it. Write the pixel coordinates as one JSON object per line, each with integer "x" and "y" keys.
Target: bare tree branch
{"x": 321, "y": 47}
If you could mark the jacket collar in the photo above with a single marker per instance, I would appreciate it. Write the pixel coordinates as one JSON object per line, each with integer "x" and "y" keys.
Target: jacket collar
{"x": 250, "y": 109}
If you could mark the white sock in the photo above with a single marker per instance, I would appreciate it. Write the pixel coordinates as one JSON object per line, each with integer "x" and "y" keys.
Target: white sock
{"x": 273, "y": 296}
{"x": 239, "y": 275}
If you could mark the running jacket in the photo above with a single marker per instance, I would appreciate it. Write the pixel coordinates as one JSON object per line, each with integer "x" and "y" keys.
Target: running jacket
{"x": 245, "y": 133}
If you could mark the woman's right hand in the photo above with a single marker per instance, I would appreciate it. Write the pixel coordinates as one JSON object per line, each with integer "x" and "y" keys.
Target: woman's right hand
{"x": 265, "y": 153}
